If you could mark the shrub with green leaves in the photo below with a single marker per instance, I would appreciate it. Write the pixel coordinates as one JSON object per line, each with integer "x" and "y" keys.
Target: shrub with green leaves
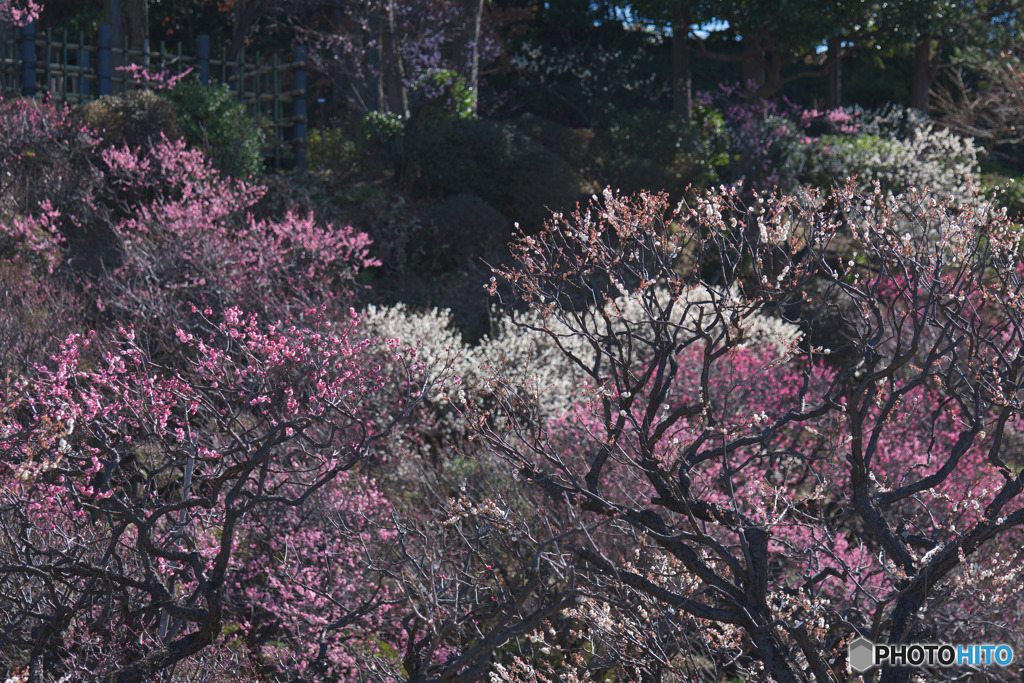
{"x": 384, "y": 133}
{"x": 332, "y": 149}
{"x": 213, "y": 120}
{"x": 444, "y": 94}
{"x": 382, "y": 127}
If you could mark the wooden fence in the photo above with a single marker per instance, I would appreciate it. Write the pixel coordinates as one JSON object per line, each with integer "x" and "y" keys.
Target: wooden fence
{"x": 274, "y": 91}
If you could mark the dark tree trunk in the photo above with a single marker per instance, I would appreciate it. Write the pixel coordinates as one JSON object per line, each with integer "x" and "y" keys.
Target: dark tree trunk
{"x": 472, "y": 46}
{"x": 773, "y": 73}
{"x": 777, "y": 656}
{"x": 834, "y": 74}
{"x": 246, "y": 15}
{"x": 392, "y": 68}
{"x": 682, "y": 78}
{"x": 762, "y": 64}
{"x": 753, "y": 63}
{"x": 136, "y": 20}
{"x": 341, "y": 84}
{"x": 904, "y": 620}
{"x": 112, "y": 16}
{"x": 375, "y": 58}
{"x": 921, "y": 77}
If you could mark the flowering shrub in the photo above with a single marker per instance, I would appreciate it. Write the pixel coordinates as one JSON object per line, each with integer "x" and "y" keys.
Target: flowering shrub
{"x": 36, "y": 312}
{"x": 34, "y": 239}
{"x": 188, "y": 237}
{"x": 650, "y": 467}
{"x": 901, "y": 151}
{"x": 154, "y": 78}
{"x": 773, "y": 143}
{"x": 19, "y": 12}
{"x": 431, "y": 330}
{"x": 311, "y": 598}
{"x": 760, "y": 504}
{"x": 128, "y": 489}
{"x": 47, "y": 195}
{"x": 193, "y": 464}
{"x": 767, "y": 139}
{"x": 48, "y": 157}
{"x": 152, "y": 232}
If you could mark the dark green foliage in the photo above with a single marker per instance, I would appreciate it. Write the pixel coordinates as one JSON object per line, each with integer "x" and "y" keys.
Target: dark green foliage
{"x": 465, "y": 229}
{"x": 383, "y": 133}
{"x": 633, "y": 174}
{"x": 668, "y": 153}
{"x": 332, "y": 149}
{"x": 137, "y": 118}
{"x": 212, "y": 119}
{"x": 1005, "y": 192}
{"x": 578, "y": 146}
{"x": 501, "y": 165}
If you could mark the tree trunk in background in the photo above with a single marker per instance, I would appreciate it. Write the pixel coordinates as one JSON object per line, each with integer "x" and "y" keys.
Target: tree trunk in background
{"x": 375, "y": 58}
{"x": 392, "y": 66}
{"x": 467, "y": 46}
{"x": 341, "y": 83}
{"x": 136, "y": 22}
{"x": 834, "y": 74}
{"x": 773, "y": 70}
{"x": 921, "y": 77}
{"x": 474, "y": 65}
{"x": 753, "y": 62}
{"x": 682, "y": 77}
{"x": 246, "y": 15}
{"x": 112, "y": 16}
{"x": 762, "y": 64}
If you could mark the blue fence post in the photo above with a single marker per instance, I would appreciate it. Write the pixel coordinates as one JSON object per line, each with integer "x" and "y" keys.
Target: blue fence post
{"x": 299, "y": 110}
{"x": 203, "y": 58}
{"x": 83, "y": 65}
{"x": 28, "y": 59}
{"x": 105, "y": 64}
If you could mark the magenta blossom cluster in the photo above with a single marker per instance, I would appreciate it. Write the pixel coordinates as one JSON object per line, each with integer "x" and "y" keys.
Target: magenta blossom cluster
{"x": 188, "y": 236}
{"x": 164, "y": 481}
{"x": 154, "y": 79}
{"x": 20, "y": 12}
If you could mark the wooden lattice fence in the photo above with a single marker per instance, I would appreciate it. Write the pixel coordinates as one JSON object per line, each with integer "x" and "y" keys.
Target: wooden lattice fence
{"x": 70, "y": 69}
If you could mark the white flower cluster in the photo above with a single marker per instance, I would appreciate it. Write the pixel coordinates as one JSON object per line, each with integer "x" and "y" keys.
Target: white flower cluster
{"x": 430, "y": 331}
{"x": 699, "y": 306}
{"x": 530, "y": 354}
